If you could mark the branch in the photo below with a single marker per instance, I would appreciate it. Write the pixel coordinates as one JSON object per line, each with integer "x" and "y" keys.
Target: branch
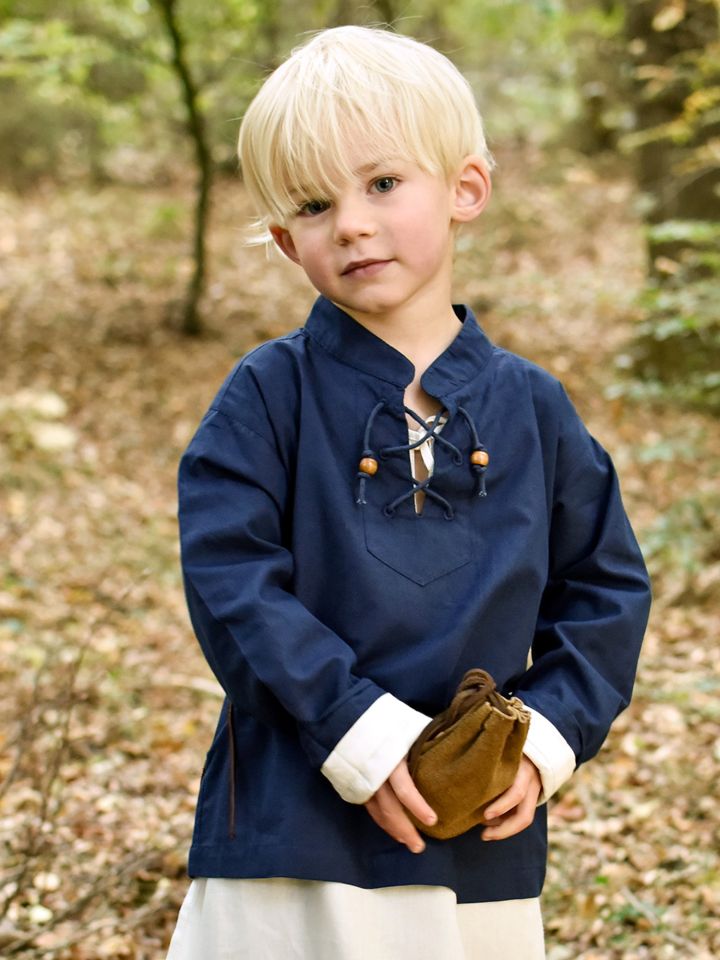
{"x": 196, "y": 128}
{"x": 77, "y": 906}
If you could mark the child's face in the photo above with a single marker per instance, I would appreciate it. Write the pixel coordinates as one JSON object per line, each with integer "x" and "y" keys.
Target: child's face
{"x": 381, "y": 244}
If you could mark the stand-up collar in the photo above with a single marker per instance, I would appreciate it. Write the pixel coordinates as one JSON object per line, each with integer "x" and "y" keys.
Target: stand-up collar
{"x": 355, "y": 345}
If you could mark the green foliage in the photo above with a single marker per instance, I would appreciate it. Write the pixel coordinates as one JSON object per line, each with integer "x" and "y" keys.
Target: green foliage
{"x": 522, "y": 62}
{"x": 677, "y": 78}
{"x": 677, "y": 343}
{"x": 167, "y": 221}
{"x": 696, "y": 72}
{"x": 697, "y": 232}
{"x": 105, "y": 66}
{"x": 116, "y": 79}
{"x": 78, "y": 82}
{"x": 68, "y": 90}
{"x": 684, "y": 539}
{"x": 37, "y": 135}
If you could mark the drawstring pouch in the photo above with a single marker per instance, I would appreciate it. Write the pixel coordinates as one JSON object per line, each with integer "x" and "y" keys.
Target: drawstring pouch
{"x": 468, "y": 755}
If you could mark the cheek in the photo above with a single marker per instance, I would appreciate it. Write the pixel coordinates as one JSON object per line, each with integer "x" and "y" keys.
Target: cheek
{"x": 312, "y": 257}
{"x": 315, "y": 268}
{"x": 423, "y": 245}
{"x": 425, "y": 250}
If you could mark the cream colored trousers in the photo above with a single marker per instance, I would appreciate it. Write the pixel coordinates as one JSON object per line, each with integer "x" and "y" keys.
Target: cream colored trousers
{"x": 281, "y": 919}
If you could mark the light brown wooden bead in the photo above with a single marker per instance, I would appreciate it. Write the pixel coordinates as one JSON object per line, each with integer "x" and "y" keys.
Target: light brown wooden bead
{"x": 480, "y": 458}
{"x": 369, "y": 466}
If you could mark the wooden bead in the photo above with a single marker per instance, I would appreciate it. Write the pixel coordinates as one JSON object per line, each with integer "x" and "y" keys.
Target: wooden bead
{"x": 480, "y": 458}
{"x": 368, "y": 465}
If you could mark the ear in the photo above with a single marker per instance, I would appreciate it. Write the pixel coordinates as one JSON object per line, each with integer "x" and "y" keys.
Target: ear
{"x": 282, "y": 238}
{"x": 471, "y": 189}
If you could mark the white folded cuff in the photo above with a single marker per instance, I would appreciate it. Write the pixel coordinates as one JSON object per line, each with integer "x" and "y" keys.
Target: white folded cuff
{"x": 548, "y": 749}
{"x": 367, "y": 754}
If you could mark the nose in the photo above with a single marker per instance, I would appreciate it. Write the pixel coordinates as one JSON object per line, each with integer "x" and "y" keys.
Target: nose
{"x": 353, "y": 218}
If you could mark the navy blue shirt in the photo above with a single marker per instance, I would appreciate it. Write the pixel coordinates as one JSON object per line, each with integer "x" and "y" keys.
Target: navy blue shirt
{"x": 310, "y": 605}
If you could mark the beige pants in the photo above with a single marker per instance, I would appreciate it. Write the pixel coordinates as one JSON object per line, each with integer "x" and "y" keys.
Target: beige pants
{"x": 282, "y": 919}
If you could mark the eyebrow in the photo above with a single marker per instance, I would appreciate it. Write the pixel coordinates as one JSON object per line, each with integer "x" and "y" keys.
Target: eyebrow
{"x": 359, "y": 171}
{"x": 369, "y": 167}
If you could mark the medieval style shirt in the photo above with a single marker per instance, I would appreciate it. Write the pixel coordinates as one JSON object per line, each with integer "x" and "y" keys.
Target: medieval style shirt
{"x": 338, "y": 618}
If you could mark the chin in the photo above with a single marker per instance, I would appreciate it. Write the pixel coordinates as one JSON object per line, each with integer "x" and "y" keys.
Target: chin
{"x": 368, "y": 307}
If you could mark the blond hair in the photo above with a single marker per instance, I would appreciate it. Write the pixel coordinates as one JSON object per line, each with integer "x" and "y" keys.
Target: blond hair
{"x": 350, "y": 86}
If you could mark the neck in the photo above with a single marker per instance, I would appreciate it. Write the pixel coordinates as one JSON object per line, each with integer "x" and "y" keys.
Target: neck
{"x": 421, "y": 341}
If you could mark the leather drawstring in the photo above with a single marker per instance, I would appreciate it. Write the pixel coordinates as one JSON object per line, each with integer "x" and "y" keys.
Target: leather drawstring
{"x": 368, "y": 462}
{"x": 417, "y": 487}
{"x": 430, "y": 433}
{"x": 368, "y": 466}
{"x": 233, "y": 765}
{"x": 477, "y": 686}
{"x": 480, "y": 458}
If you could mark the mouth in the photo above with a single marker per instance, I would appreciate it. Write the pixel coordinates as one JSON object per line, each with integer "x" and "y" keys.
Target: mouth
{"x": 364, "y": 268}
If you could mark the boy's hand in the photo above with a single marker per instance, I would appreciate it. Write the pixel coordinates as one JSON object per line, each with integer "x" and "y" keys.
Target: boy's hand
{"x": 387, "y": 808}
{"x": 514, "y": 810}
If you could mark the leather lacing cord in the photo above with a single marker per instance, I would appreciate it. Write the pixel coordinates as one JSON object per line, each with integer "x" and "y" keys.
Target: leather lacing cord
{"x": 233, "y": 766}
{"x": 369, "y": 461}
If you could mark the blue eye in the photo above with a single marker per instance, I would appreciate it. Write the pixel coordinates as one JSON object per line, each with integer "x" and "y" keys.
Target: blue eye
{"x": 385, "y": 184}
{"x": 313, "y": 207}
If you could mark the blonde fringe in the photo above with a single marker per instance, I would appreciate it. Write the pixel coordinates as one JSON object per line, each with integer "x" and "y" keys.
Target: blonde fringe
{"x": 348, "y": 87}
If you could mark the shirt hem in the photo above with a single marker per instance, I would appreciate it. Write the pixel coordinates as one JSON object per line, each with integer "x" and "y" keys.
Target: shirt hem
{"x": 518, "y": 884}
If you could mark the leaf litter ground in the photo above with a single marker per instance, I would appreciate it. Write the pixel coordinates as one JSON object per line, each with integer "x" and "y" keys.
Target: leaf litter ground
{"x": 107, "y": 705}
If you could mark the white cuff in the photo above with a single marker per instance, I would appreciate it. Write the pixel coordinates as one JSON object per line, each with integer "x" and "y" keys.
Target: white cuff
{"x": 550, "y": 752}
{"x": 374, "y": 745}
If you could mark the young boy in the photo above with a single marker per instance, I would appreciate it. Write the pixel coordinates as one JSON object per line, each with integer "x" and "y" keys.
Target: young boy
{"x": 374, "y": 504}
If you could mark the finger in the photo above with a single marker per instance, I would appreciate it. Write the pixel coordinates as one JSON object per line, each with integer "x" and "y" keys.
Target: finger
{"x": 520, "y": 819}
{"x": 506, "y": 802}
{"x": 494, "y": 822}
{"x": 409, "y": 796}
{"x": 513, "y": 795}
{"x": 388, "y": 813}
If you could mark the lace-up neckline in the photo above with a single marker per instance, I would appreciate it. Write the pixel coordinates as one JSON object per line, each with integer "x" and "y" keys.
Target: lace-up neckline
{"x": 422, "y": 457}
{"x": 370, "y": 460}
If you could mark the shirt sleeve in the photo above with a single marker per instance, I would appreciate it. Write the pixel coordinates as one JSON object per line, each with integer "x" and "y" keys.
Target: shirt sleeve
{"x": 371, "y": 749}
{"x": 273, "y": 658}
{"x": 553, "y": 756}
{"x": 595, "y": 605}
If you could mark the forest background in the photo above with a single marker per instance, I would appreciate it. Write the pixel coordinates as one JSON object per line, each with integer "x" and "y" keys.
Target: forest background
{"x": 126, "y": 294}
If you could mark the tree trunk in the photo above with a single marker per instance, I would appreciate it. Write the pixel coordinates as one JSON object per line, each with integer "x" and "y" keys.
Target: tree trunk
{"x": 675, "y": 79}
{"x": 663, "y": 53}
{"x": 191, "y": 322}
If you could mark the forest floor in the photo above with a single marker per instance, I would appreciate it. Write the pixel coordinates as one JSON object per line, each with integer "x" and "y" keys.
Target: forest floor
{"x": 106, "y": 704}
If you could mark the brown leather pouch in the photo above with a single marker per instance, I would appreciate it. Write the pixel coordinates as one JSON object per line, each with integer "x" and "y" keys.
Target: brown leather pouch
{"x": 468, "y": 755}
